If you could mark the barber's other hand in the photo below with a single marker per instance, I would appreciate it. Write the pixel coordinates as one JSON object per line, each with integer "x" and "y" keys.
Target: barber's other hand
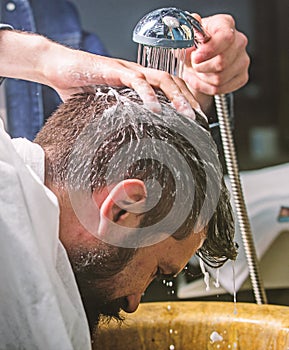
{"x": 221, "y": 64}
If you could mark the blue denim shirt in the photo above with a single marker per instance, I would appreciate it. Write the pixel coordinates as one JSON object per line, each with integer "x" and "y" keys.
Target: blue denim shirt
{"x": 29, "y": 104}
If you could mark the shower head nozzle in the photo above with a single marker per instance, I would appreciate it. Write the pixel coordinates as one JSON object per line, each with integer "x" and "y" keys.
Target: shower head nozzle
{"x": 167, "y": 28}
{"x": 164, "y": 35}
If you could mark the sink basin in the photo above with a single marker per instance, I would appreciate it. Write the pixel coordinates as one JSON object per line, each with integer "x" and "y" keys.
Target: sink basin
{"x": 198, "y": 326}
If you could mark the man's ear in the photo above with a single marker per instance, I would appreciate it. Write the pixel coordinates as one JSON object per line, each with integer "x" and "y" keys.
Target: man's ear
{"x": 123, "y": 205}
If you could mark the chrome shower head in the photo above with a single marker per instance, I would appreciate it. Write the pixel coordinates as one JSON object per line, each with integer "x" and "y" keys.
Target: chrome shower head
{"x": 165, "y": 27}
{"x": 163, "y": 36}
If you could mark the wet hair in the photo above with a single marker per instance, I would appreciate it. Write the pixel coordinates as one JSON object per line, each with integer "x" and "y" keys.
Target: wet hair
{"x": 102, "y": 137}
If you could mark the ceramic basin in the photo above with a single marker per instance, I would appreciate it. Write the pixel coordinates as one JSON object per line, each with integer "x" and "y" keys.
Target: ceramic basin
{"x": 198, "y": 326}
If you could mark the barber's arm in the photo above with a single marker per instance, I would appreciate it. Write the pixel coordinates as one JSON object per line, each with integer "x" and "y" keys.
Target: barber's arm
{"x": 4, "y": 27}
{"x": 35, "y": 58}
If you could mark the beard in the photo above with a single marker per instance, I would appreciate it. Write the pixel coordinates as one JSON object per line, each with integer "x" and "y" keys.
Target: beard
{"x": 94, "y": 269}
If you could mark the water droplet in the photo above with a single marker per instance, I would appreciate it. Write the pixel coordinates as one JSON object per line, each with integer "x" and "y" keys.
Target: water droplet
{"x": 216, "y": 283}
{"x": 215, "y": 337}
{"x": 206, "y": 274}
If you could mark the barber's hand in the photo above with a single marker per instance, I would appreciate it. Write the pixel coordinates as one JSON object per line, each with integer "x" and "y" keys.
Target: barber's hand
{"x": 221, "y": 64}
{"x": 77, "y": 71}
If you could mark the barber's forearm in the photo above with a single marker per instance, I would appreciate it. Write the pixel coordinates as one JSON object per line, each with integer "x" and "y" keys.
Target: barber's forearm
{"x": 23, "y": 55}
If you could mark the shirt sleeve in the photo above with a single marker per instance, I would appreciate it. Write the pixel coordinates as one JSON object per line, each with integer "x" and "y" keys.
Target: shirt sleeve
{"x": 5, "y": 26}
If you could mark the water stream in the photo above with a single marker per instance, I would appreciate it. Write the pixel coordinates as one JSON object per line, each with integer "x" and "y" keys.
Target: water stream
{"x": 217, "y": 339}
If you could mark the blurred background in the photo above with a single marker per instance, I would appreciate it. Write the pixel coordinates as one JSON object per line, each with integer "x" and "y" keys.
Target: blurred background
{"x": 261, "y": 107}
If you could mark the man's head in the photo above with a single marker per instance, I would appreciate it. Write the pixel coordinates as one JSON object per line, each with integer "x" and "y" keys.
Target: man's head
{"x": 139, "y": 194}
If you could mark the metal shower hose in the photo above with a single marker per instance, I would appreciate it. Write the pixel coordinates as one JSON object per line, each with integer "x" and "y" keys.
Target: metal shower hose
{"x": 239, "y": 201}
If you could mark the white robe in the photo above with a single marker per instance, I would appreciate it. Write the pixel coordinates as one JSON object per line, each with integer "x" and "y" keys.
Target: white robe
{"x": 40, "y": 306}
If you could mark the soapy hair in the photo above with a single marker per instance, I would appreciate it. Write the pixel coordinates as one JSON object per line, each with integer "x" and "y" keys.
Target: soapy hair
{"x": 101, "y": 137}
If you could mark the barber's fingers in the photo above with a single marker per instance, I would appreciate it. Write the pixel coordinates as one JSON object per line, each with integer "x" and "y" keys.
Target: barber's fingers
{"x": 217, "y": 83}
{"x": 215, "y": 64}
{"x": 203, "y": 84}
{"x": 223, "y": 35}
{"x": 145, "y": 92}
{"x": 188, "y": 95}
{"x": 223, "y": 77}
{"x": 174, "y": 88}
{"x": 178, "y": 93}
{"x": 235, "y": 53}
{"x": 117, "y": 72}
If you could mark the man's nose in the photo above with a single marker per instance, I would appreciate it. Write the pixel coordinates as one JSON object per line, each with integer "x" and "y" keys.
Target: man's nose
{"x": 133, "y": 301}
